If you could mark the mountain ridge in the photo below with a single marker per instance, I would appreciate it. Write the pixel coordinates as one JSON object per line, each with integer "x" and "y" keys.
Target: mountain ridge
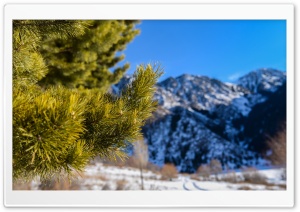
{"x": 200, "y": 118}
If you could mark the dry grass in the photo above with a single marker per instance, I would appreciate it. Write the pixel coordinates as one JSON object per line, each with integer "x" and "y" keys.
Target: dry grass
{"x": 277, "y": 144}
{"x": 127, "y": 162}
{"x": 283, "y": 174}
{"x": 121, "y": 184}
{"x": 21, "y": 185}
{"x": 283, "y": 186}
{"x": 204, "y": 172}
{"x": 245, "y": 188}
{"x": 106, "y": 187}
{"x": 101, "y": 177}
{"x": 195, "y": 177}
{"x": 251, "y": 175}
{"x": 274, "y": 187}
{"x": 230, "y": 177}
{"x": 61, "y": 184}
{"x": 168, "y": 172}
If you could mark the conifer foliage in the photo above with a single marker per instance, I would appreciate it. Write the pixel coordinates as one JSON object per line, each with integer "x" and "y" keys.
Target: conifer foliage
{"x": 84, "y": 61}
{"x": 59, "y": 124}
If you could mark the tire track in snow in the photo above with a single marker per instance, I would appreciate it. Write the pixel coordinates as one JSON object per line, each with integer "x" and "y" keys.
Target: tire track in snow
{"x": 186, "y": 181}
{"x": 184, "y": 187}
{"x": 197, "y": 187}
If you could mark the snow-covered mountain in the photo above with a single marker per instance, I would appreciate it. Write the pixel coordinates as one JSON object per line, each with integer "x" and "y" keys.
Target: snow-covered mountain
{"x": 262, "y": 80}
{"x": 199, "y": 119}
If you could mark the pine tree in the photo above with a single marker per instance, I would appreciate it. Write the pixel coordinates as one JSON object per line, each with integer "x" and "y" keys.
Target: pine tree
{"x": 85, "y": 61}
{"x": 56, "y": 129}
{"x": 28, "y": 63}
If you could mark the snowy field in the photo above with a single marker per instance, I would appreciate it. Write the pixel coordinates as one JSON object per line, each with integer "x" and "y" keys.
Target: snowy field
{"x": 129, "y": 179}
{"x": 105, "y": 177}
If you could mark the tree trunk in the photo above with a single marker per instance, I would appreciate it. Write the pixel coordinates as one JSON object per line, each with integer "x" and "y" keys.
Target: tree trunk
{"x": 142, "y": 180}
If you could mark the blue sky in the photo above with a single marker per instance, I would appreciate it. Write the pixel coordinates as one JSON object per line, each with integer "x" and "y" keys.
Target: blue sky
{"x": 222, "y": 49}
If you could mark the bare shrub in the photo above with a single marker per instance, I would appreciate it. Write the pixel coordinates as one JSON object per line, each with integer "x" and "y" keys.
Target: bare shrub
{"x": 21, "y": 185}
{"x": 282, "y": 186}
{"x": 53, "y": 185}
{"x": 141, "y": 156}
{"x": 277, "y": 145}
{"x": 283, "y": 174}
{"x": 152, "y": 167}
{"x": 153, "y": 187}
{"x": 204, "y": 171}
{"x": 230, "y": 177}
{"x": 215, "y": 167}
{"x": 60, "y": 184}
{"x": 168, "y": 171}
{"x": 132, "y": 162}
{"x": 273, "y": 187}
{"x": 251, "y": 175}
{"x": 195, "y": 177}
{"x": 74, "y": 185}
{"x": 121, "y": 184}
{"x": 106, "y": 187}
{"x": 106, "y": 161}
{"x": 246, "y": 188}
{"x": 101, "y": 177}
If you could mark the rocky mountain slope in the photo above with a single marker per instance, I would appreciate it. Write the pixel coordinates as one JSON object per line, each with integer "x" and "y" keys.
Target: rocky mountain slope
{"x": 200, "y": 119}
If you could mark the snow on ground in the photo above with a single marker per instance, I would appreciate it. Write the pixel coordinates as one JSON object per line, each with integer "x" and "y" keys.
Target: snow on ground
{"x": 104, "y": 177}
{"x": 107, "y": 177}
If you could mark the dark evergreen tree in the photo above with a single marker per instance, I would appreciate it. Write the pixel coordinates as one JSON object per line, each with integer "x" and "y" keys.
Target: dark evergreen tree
{"x": 85, "y": 61}
{"x": 56, "y": 129}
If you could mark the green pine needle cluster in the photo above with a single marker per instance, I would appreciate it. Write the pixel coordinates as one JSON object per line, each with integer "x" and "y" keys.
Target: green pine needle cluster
{"x": 62, "y": 116}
